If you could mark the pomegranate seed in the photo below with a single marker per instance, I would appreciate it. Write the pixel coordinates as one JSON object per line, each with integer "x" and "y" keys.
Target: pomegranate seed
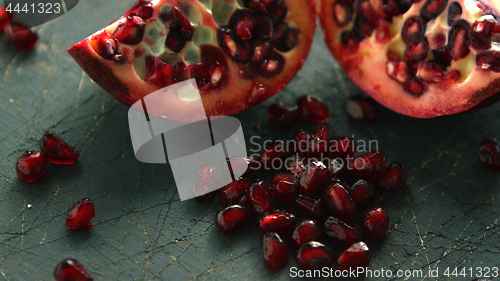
{"x": 394, "y": 177}
{"x": 358, "y": 255}
{"x": 239, "y": 164}
{"x": 180, "y": 72}
{"x": 274, "y": 251}
{"x": 80, "y": 214}
{"x": 398, "y": 70}
{"x": 414, "y": 86}
{"x": 489, "y": 154}
{"x": 339, "y": 200}
{"x": 432, "y": 9}
{"x": 314, "y": 178}
{"x": 273, "y": 65}
{"x": 71, "y": 270}
{"x": 309, "y": 207}
{"x": 306, "y": 231}
{"x": 58, "y": 150}
{"x": 454, "y": 13}
{"x": 312, "y": 109}
{"x": 207, "y": 181}
{"x": 108, "y": 46}
{"x": 261, "y": 52}
{"x": 175, "y": 41}
{"x": 375, "y": 223}
{"x": 277, "y": 11}
{"x": 31, "y": 165}
{"x": 459, "y": 39}
{"x": 314, "y": 255}
{"x": 284, "y": 116}
{"x": 260, "y": 197}
{"x": 285, "y": 187}
{"x": 4, "y": 18}
{"x": 245, "y": 27}
{"x": 22, "y": 36}
{"x": 285, "y": 38}
{"x": 318, "y": 143}
{"x": 161, "y": 71}
{"x": 143, "y": 9}
{"x": 413, "y": 29}
{"x": 301, "y": 142}
{"x": 342, "y": 232}
{"x": 296, "y": 166}
{"x": 131, "y": 32}
{"x": 362, "y": 193}
{"x": 274, "y": 154}
{"x": 182, "y": 23}
{"x": 341, "y": 147}
{"x": 362, "y": 109}
{"x": 233, "y": 192}
{"x": 488, "y": 60}
{"x": 232, "y": 219}
{"x": 277, "y": 221}
{"x": 430, "y": 72}
{"x": 417, "y": 50}
{"x": 481, "y": 35}
{"x": 343, "y": 12}
{"x": 370, "y": 165}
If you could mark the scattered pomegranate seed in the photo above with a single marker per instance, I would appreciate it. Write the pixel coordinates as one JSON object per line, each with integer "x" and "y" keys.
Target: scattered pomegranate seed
{"x": 375, "y": 223}
{"x": 306, "y": 231}
{"x": 58, "y": 150}
{"x": 342, "y": 147}
{"x": 314, "y": 178}
{"x": 394, "y": 177}
{"x": 80, "y": 214}
{"x": 309, "y": 207}
{"x": 71, "y": 270}
{"x": 4, "y": 18}
{"x": 312, "y": 109}
{"x": 318, "y": 143}
{"x": 314, "y": 255}
{"x": 31, "y": 165}
{"x": 277, "y": 221}
{"x": 358, "y": 255}
{"x": 339, "y": 200}
{"x": 284, "y": 116}
{"x": 362, "y": 193}
{"x": 260, "y": 197}
{"x": 238, "y": 164}
{"x": 232, "y": 219}
{"x": 273, "y": 155}
{"x": 362, "y": 109}
{"x": 285, "y": 187}
{"x": 233, "y": 192}
{"x": 370, "y": 165}
{"x": 22, "y": 37}
{"x": 274, "y": 251}
{"x": 207, "y": 181}
{"x": 342, "y": 232}
{"x": 301, "y": 139}
{"x": 489, "y": 154}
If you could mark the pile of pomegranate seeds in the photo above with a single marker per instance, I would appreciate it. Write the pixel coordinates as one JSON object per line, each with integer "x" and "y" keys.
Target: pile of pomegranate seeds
{"x": 20, "y": 35}
{"x": 71, "y": 270}
{"x": 80, "y": 214}
{"x": 32, "y": 164}
{"x": 309, "y": 108}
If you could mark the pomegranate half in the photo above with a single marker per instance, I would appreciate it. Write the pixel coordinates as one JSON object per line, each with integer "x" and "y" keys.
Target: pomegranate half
{"x": 240, "y": 52}
{"x": 422, "y": 58}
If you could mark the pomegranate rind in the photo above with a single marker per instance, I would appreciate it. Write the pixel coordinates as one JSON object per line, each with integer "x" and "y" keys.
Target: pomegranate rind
{"x": 121, "y": 81}
{"x": 366, "y": 67}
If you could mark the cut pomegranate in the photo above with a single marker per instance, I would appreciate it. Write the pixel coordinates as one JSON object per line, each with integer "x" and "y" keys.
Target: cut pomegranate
{"x": 233, "y": 192}
{"x": 206, "y": 183}
{"x": 260, "y": 46}
{"x": 71, "y": 270}
{"x": 314, "y": 255}
{"x": 381, "y": 44}
{"x": 284, "y": 116}
{"x": 285, "y": 187}
{"x": 312, "y": 109}
{"x": 489, "y": 154}
{"x": 375, "y": 223}
{"x": 306, "y": 231}
{"x": 80, "y": 214}
{"x": 22, "y": 36}
{"x": 232, "y": 219}
{"x": 259, "y": 197}
{"x": 277, "y": 221}
{"x": 274, "y": 251}
{"x": 314, "y": 178}
{"x": 31, "y": 165}
{"x": 362, "y": 193}
{"x": 58, "y": 150}
{"x": 339, "y": 200}
{"x": 362, "y": 109}
{"x": 356, "y": 256}
{"x": 342, "y": 232}
{"x": 394, "y": 177}
{"x": 370, "y": 165}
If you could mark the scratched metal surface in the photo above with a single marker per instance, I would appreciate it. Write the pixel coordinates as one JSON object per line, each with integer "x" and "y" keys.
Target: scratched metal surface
{"x": 448, "y": 216}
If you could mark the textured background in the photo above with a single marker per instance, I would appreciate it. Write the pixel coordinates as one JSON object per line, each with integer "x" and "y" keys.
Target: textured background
{"x": 448, "y": 216}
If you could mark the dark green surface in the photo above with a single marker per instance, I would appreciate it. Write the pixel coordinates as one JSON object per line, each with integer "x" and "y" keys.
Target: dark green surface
{"x": 448, "y": 216}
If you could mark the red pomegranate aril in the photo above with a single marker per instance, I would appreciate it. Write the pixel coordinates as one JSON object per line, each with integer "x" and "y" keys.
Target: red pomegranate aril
{"x": 273, "y": 66}
{"x": 342, "y": 147}
{"x": 274, "y": 154}
{"x": 481, "y": 34}
{"x": 285, "y": 38}
{"x": 343, "y": 12}
{"x": 398, "y": 70}
{"x": 239, "y": 164}
{"x": 454, "y": 13}
{"x": 370, "y": 165}
{"x": 417, "y": 50}
{"x": 277, "y": 221}
{"x": 108, "y": 47}
{"x": 430, "y": 72}
{"x": 131, "y": 32}
{"x": 356, "y": 256}
{"x": 394, "y": 177}
{"x": 22, "y": 36}
{"x": 362, "y": 109}
{"x": 207, "y": 181}
{"x": 489, "y": 154}
{"x": 262, "y": 52}
{"x": 339, "y": 201}
{"x": 58, "y": 150}
{"x": 274, "y": 251}
{"x": 4, "y": 18}
{"x": 413, "y": 29}
{"x": 245, "y": 27}
{"x": 342, "y": 232}
{"x": 363, "y": 193}
{"x": 306, "y": 231}
{"x": 314, "y": 255}
{"x": 375, "y": 223}
{"x": 488, "y": 60}
{"x": 233, "y": 192}
{"x": 175, "y": 41}
{"x": 143, "y": 9}
{"x": 432, "y": 9}
{"x": 71, "y": 270}
{"x": 161, "y": 71}
{"x": 80, "y": 214}
{"x": 310, "y": 207}
{"x": 301, "y": 139}
{"x": 284, "y": 116}
{"x": 318, "y": 143}
{"x": 296, "y": 166}
{"x": 277, "y": 11}
{"x": 31, "y": 165}
{"x": 312, "y": 109}
{"x": 232, "y": 219}
{"x": 314, "y": 178}
{"x": 459, "y": 39}
{"x": 414, "y": 86}
{"x": 285, "y": 187}
{"x": 260, "y": 197}
{"x": 180, "y": 72}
